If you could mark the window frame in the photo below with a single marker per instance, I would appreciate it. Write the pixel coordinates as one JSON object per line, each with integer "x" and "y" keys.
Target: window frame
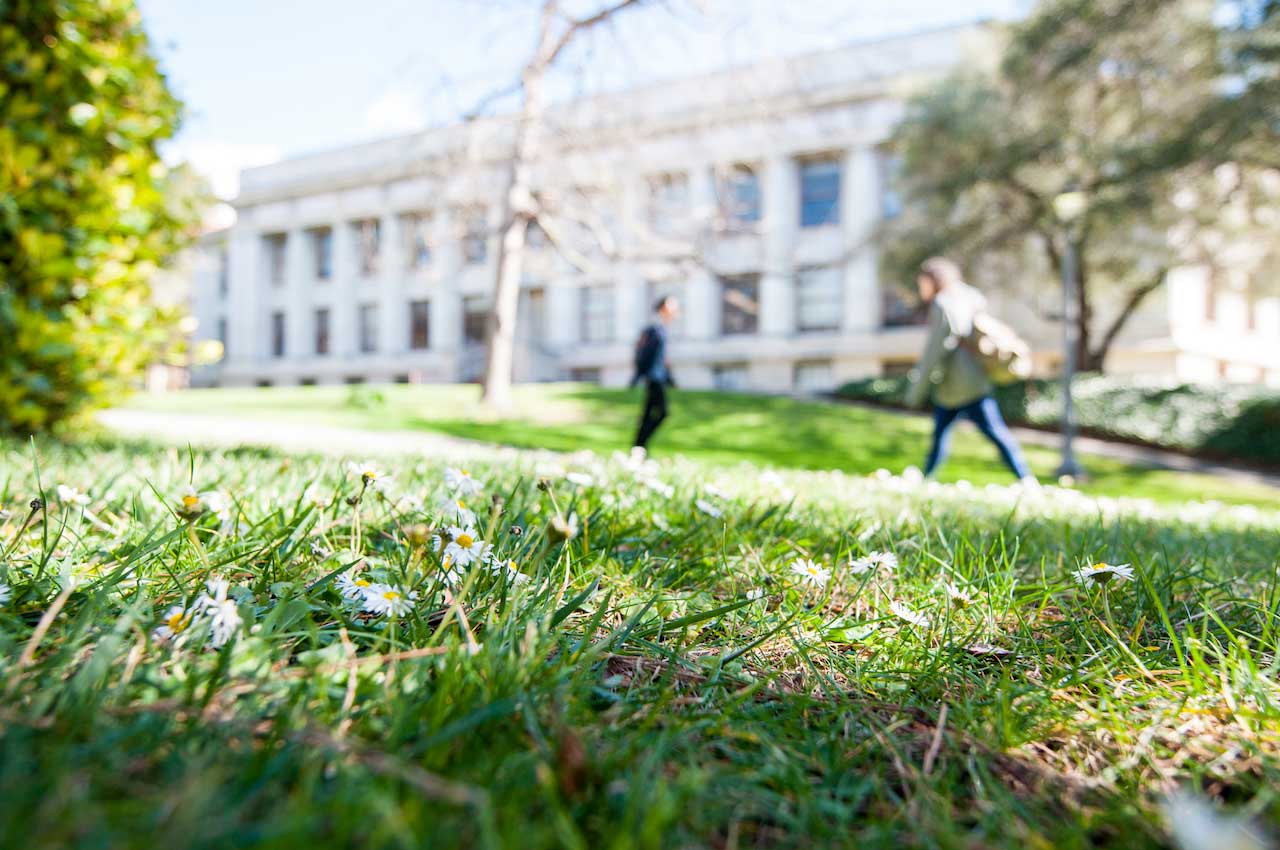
{"x": 425, "y": 305}
{"x": 837, "y": 315}
{"x": 729, "y": 283}
{"x": 824, "y": 210}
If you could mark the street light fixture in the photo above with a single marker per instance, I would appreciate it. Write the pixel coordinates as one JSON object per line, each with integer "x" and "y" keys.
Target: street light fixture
{"x": 1069, "y": 207}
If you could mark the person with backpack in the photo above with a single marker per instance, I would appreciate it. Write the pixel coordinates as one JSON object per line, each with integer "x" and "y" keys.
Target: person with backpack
{"x": 651, "y": 367}
{"x": 966, "y": 349}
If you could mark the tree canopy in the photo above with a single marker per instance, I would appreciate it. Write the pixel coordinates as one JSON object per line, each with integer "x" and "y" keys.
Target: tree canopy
{"x": 1105, "y": 97}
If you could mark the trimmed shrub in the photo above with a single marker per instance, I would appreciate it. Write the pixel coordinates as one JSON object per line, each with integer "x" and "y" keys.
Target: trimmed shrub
{"x": 1229, "y": 421}
{"x": 87, "y": 211}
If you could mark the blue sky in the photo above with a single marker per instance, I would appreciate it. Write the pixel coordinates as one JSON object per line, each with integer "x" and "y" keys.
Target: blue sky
{"x": 265, "y": 79}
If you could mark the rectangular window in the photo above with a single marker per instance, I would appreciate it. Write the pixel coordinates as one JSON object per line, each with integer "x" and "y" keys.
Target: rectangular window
{"x": 416, "y": 230}
{"x": 597, "y": 313}
{"x": 368, "y": 328}
{"x": 813, "y": 376}
{"x": 819, "y": 298}
{"x": 367, "y": 236}
{"x": 475, "y": 316}
{"x": 898, "y": 310}
{"x": 536, "y": 237}
{"x": 277, "y": 334}
{"x": 584, "y": 375}
{"x": 820, "y": 192}
{"x": 475, "y": 240}
{"x": 274, "y": 244}
{"x": 740, "y": 304}
{"x": 419, "y": 325}
{"x": 731, "y": 377}
{"x": 321, "y": 252}
{"x": 322, "y": 330}
{"x": 668, "y": 201}
{"x": 740, "y": 195}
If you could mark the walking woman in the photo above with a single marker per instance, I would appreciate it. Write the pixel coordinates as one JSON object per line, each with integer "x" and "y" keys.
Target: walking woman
{"x": 949, "y": 372}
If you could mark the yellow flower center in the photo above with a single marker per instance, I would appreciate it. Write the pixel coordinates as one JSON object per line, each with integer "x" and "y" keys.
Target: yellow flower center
{"x": 465, "y": 541}
{"x": 464, "y": 473}
{"x": 1097, "y": 567}
{"x": 447, "y": 562}
{"x": 179, "y": 621}
{"x": 361, "y": 582}
{"x": 461, "y": 506}
{"x": 391, "y": 595}
{"x": 190, "y": 501}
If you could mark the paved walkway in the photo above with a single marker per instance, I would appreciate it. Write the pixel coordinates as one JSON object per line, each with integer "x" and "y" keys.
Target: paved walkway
{"x": 215, "y": 430}
{"x": 1137, "y": 455}
{"x": 203, "y": 429}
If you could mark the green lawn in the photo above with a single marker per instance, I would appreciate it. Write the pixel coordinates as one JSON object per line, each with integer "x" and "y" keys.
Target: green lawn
{"x": 675, "y": 674}
{"x": 705, "y": 426}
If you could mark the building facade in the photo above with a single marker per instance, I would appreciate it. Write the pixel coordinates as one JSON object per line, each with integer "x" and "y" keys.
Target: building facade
{"x": 751, "y": 195}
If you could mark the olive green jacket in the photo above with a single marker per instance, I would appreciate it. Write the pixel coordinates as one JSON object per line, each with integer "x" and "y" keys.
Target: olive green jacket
{"x": 948, "y": 372}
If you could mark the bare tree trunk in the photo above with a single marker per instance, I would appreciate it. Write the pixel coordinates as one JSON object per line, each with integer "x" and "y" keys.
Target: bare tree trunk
{"x": 1098, "y": 355}
{"x": 518, "y": 207}
{"x": 517, "y": 212}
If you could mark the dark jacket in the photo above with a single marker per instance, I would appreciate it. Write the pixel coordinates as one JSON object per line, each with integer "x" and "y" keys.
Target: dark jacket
{"x": 658, "y": 372}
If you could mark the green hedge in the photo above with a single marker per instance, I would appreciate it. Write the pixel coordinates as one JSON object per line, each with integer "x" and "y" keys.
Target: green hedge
{"x": 1231, "y": 422}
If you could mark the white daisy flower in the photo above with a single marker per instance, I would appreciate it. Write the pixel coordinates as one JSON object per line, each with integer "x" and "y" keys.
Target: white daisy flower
{"x": 369, "y": 474}
{"x": 465, "y": 546}
{"x": 176, "y": 622}
{"x": 316, "y": 496}
{"x": 453, "y": 509}
{"x": 563, "y": 528}
{"x": 190, "y": 504}
{"x": 409, "y": 502}
{"x": 461, "y": 482}
{"x": 714, "y": 492}
{"x": 72, "y": 496}
{"x": 810, "y": 573}
{"x": 352, "y": 586}
{"x": 664, "y": 490}
{"x": 708, "y": 508}
{"x": 452, "y": 575}
{"x": 580, "y": 479}
{"x": 959, "y": 596}
{"x": 902, "y": 612}
{"x": 387, "y": 601}
{"x": 510, "y": 569}
{"x": 755, "y": 593}
{"x": 224, "y": 621}
{"x": 886, "y": 561}
{"x": 6, "y": 593}
{"x": 1101, "y": 574}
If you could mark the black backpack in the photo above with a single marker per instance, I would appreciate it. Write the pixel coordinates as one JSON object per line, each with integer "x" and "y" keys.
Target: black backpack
{"x": 646, "y": 351}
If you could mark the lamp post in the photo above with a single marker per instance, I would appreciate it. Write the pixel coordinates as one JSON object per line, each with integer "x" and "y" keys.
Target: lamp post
{"x": 1068, "y": 207}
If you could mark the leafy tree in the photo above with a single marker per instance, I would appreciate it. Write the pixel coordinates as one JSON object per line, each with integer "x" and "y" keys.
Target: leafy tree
{"x": 1104, "y": 97}
{"x": 85, "y": 213}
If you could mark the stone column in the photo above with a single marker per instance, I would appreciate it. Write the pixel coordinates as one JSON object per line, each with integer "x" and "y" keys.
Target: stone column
{"x": 445, "y": 330}
{"x": 344, "y": 283}
{"x": 244, "y": 324}
{"x": 297, "y": 302}
{"x": 860, "y": 208}
{"x": 781, "y": 225}
{"x": 393, "y": 306}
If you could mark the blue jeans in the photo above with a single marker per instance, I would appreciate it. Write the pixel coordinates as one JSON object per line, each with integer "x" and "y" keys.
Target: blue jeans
{"x": 986, "y": 415}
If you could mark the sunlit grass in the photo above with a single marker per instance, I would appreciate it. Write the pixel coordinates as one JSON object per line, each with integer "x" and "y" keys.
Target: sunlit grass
{"x": 707, "y": 426}
{"x": 664, "y": 678}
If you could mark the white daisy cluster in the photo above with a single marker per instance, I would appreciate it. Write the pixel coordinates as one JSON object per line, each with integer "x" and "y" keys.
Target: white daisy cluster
{"x": 376, "y": 597}
{"x": 213, "y": 609}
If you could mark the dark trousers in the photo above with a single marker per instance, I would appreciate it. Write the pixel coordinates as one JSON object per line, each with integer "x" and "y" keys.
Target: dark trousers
{"x": 986, "y": 415}
{"x": 655, "y": 410}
